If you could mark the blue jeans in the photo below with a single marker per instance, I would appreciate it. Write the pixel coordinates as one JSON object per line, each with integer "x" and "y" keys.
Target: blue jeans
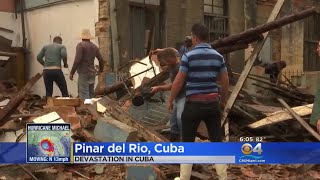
{"x": 86, "y": 85}
{"x": 175, "y": 120}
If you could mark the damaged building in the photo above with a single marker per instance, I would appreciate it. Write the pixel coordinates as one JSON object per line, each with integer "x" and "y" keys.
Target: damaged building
{"x": 245, "y": 32}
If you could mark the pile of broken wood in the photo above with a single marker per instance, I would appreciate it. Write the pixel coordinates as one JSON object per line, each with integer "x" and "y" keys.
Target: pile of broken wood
{"x": 109, "y": 115}
{"x": 265, "y": 112}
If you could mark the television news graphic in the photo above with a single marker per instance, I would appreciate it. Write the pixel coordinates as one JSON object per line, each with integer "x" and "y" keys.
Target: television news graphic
{"x": 196, "y": 153}
{"x": 48, "y": 143}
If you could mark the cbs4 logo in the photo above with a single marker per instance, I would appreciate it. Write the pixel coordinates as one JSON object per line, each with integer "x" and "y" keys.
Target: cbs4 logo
{"x": 248, "y": 149}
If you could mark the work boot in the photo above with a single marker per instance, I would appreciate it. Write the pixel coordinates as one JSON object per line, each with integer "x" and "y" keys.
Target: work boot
{"x": 221, "y": 170}
{"x": 185, "y": 172}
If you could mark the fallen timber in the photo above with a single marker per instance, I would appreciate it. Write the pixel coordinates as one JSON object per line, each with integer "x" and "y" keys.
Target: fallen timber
{"x": 256, "y": 50}
{"x": 13, "y": 104}
{"x": 283, "y": 115}
{"x": 242, "y": 44}
{"x": 114, "y": 88}
{"x": 157, "y": 79}
{"x": 265, "y": 27}
{"x": 299, "y": 119}
{"x": 291, "y": 92}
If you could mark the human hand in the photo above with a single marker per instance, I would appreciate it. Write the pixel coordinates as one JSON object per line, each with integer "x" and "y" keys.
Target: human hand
{"x": 71, "y": 77}
{"x": 170, "y": 106}
{"x": 154, "y": 89}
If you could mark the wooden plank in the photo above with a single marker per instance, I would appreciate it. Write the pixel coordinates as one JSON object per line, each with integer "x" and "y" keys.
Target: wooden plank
{"x": 114, "y": 35}
{"x": 159, "y": 78}
{"x": 282, "y": 115}
{"x": 298, "y": 118}
{"x": 10, "y": 54}
{"x": 263, "y": 108}
{"x": 244, "y": 113}
{"x": 270, "y": 25}
{"x": 66, "y": 101}
{"x": 118, "y": 113}
{"x": 16, "y": 101}
{"x": 113, "y": 88}
{"x": 247, "y": 69}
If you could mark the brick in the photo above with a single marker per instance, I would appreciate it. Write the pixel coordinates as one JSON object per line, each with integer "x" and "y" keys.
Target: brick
{"x": 73, "y": 119}
{"x": 111, "y": 130}
{"x": 66, "y": 101}
{"x": 141, "y": 172}
{"x": 76, "y": 127}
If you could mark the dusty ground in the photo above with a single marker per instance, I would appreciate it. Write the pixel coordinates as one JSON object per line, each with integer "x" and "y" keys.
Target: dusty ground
{"x": 117, "y": 172}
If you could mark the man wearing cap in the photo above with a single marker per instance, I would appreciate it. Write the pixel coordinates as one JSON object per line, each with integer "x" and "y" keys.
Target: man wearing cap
{"x": 53, "y": 54}
{"x": 86, "y": 52}
{"x": 187, "y": 46}
{"x": 315, "y": 116}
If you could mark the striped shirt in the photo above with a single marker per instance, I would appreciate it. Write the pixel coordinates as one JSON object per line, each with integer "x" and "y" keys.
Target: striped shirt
{"x": 202, "y": 65}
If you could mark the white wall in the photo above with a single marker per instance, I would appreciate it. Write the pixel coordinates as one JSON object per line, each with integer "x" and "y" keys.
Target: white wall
{"x": 66, "y": 20}
{"x": 9, "y": 21}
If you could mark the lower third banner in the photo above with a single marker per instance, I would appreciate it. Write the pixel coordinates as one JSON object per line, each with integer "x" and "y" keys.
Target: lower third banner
{"x": 197, "y": 153}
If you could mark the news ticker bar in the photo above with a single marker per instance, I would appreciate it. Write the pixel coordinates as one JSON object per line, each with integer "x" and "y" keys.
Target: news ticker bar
{"x": 237, "y": 153}
{"x": 154, "y": 159}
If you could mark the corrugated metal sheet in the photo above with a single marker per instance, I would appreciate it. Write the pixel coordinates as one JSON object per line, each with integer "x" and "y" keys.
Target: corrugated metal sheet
{"x": 154, "y": 113}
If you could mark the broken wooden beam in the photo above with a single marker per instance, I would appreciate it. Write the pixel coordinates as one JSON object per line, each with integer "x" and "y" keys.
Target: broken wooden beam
{"x": 26, "y": 115}
{"x": 299, "y": 119}
{"x": 159, "y": 78}
{"x": 255, "y": 53}
{"x": 120, "y": 114}
{"x": 263, "y": 108}
{"x": 283, "y": 115}
{"x": 242, "y": 44}
{"x": 16, "y": 101}
{"x": 270, "y": 25}
{"x": 228, "y": 49}
{"x": 245, "y": 114}
{"x": 114, "y": 88}
{"x": 9, "y": 54}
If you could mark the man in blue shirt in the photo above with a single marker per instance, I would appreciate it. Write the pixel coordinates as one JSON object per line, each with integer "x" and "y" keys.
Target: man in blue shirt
{"x": 200, "y": 69}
